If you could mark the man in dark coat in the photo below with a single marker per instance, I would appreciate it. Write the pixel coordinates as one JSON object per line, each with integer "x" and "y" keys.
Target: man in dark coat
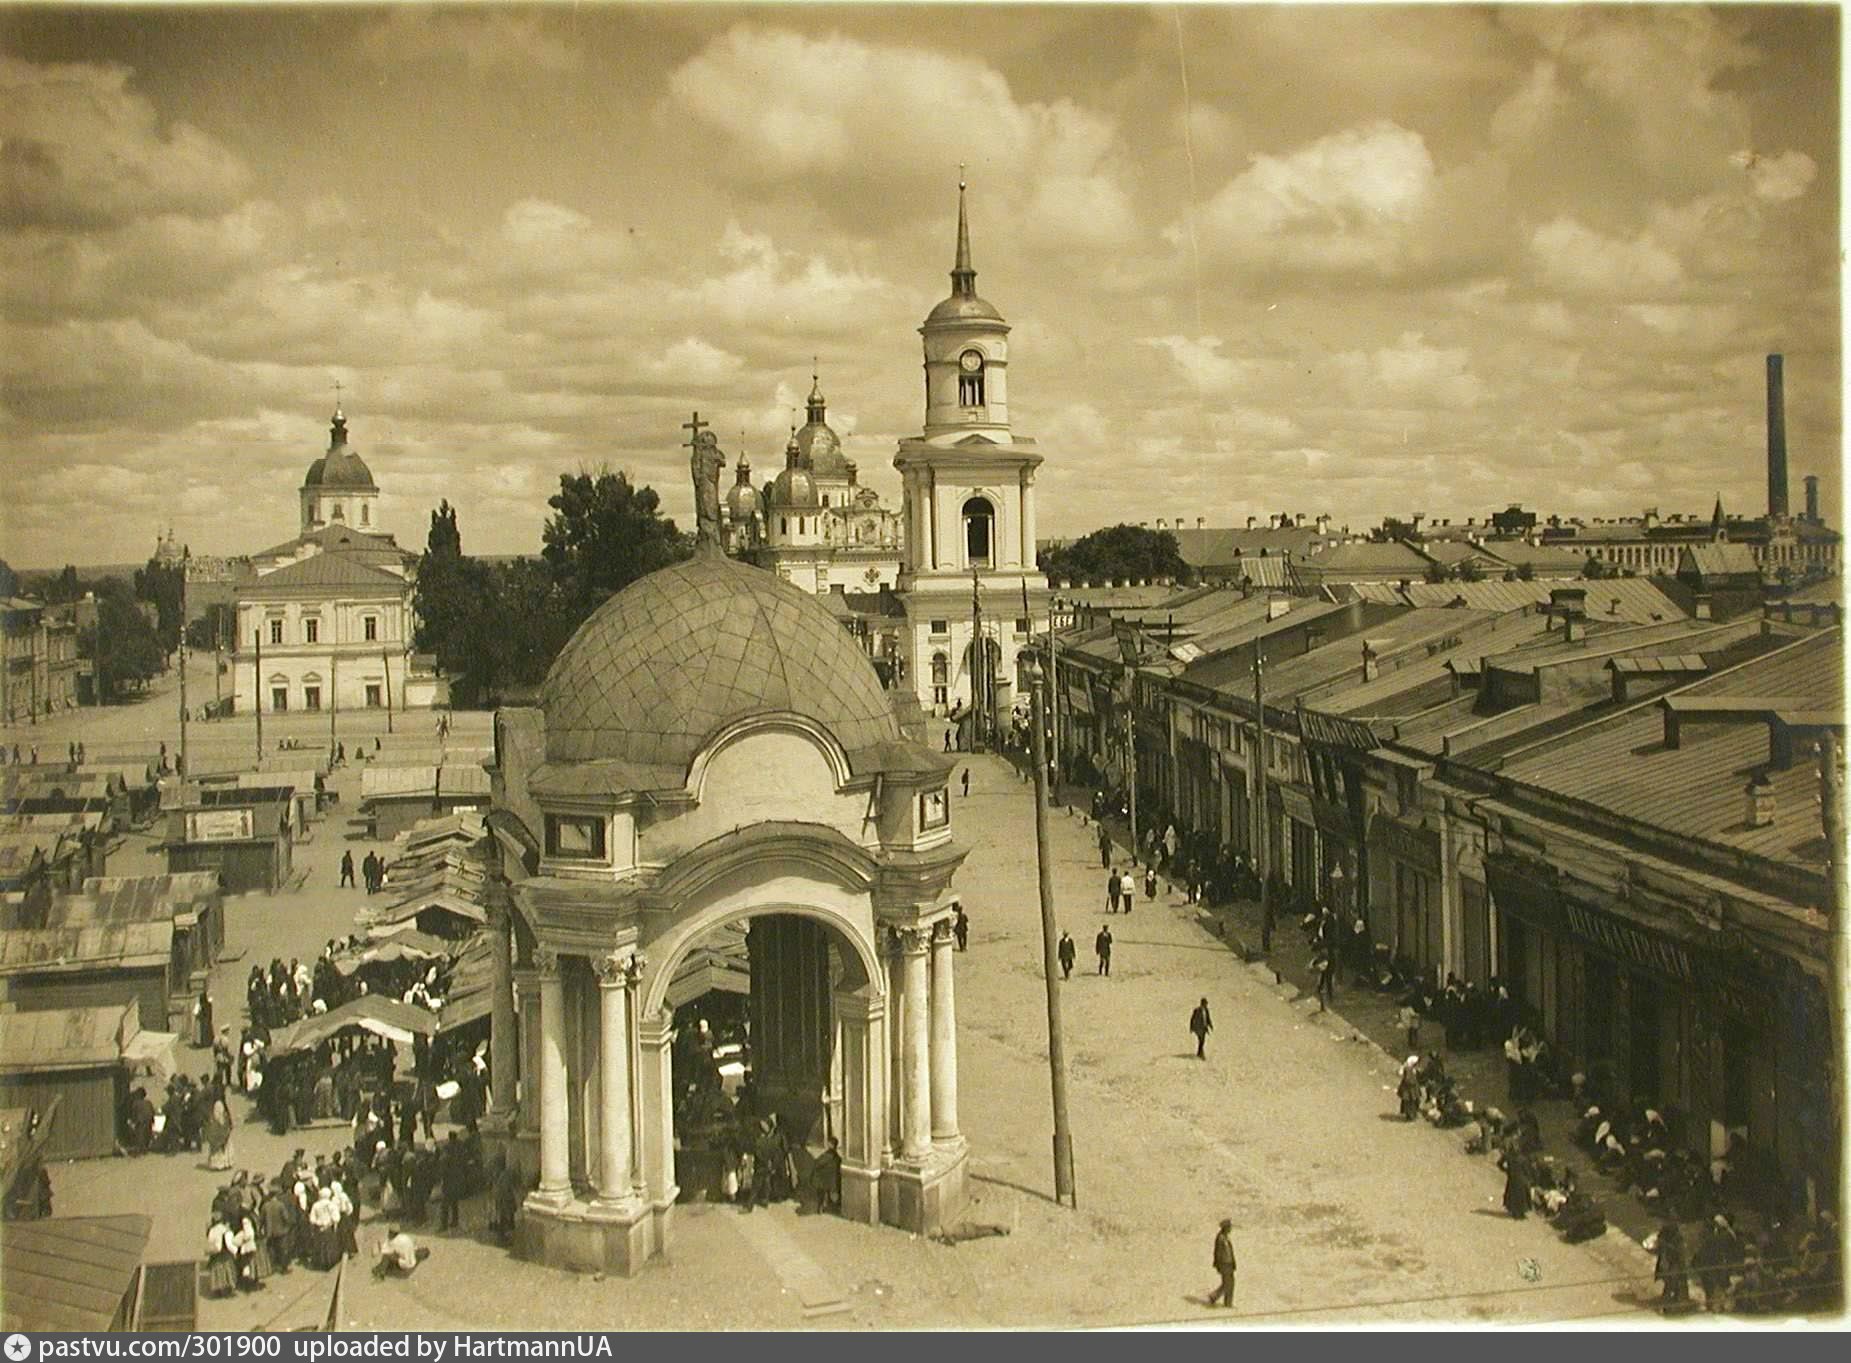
{"x": 1517, "y": 1179}
{"x": 960, "y": 929}
{"x": 346, "y": 869}
{"x": 452, "y": 1182}
{"x": 1066, "y": 952}
{"x": 1223, "y": 1295}
{"x": 1111, "y": 891}
{"x": 1102, "y": 947}
{"x": 1201, "y": 1024}
{"x": 1105, "y": 843}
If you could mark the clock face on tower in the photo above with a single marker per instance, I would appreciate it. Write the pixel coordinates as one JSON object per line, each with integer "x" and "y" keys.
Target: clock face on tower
{"x": 970, "y": 361}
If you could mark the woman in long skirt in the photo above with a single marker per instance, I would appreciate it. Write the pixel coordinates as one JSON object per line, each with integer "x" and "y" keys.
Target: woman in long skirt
{"x": 262, "y": 1265}
{"x": 217, "y": 1131}
{"x": 221, "y": 1279}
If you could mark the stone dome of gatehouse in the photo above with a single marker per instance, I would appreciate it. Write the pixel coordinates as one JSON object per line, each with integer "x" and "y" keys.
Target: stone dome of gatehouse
{"x": 666, "y": 663}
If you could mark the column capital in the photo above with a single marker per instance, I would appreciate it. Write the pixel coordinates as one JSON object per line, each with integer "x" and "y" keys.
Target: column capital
{"x": 941, "y": 932}
{"x": 546, "y": 963}
{"x": 619, "y": 969}
{"x": 909, "y": 941}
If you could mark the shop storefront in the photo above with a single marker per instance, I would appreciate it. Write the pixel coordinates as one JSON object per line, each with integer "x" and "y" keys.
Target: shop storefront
{"x": 1406, "y": 863}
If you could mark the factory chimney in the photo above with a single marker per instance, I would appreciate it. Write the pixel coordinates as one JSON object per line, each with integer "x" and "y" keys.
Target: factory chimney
{"x": 1776, "y": 440}
{"x": 1812, "y": 497}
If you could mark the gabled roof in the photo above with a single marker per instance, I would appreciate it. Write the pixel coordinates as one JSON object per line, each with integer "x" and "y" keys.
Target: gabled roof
{"x": 1721, "y": 560}
{"x": 337, "y": 537}
{"x": 69, "y": 1273}
{"x": 1220, "y": 549}
{"x": 326, "y": 570}
{"x": 1364, "y": 556}
{"x": 65, "y": 1039}
{"x": 83, "y": 946}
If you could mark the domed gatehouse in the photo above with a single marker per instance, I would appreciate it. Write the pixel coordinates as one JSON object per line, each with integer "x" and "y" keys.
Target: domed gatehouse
{"x": 714, "y": 794}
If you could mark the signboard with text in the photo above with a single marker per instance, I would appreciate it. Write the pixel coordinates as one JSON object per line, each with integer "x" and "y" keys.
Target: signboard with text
{"x": 219, "y": 825}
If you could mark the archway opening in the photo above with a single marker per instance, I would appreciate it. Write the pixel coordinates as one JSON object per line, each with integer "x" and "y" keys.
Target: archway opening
{"x": 979, "y": 539}
{"x": 757, "y": 1064}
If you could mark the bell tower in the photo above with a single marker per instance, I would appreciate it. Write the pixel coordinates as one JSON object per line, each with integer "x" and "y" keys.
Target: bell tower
{"x": 969, "y": 563}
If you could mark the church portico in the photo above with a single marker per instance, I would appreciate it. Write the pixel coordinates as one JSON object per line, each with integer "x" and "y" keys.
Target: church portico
{"x": 713, "y": 822}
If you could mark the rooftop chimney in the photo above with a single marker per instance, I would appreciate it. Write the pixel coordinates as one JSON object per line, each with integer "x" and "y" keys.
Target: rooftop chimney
{"x": 1250, "y": 521}
{"x": 1161, "y": 525}
{"x": 1371, "y": 667}
{"x": 1201, "y": 522}
{"x": 1277, "y": 606}
{"x": 1776, "y": 440}
{"x": 1812, "y": 497}
{"x": 1760, "y": 792}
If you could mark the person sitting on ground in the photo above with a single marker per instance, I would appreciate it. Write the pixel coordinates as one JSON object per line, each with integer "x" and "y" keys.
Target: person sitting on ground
{"x": 399, "y": 1255}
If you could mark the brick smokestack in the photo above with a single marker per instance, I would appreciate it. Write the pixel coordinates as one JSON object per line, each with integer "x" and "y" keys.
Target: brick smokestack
{"x": 1776, "y": 440}
{"x": 1812, "y": 497}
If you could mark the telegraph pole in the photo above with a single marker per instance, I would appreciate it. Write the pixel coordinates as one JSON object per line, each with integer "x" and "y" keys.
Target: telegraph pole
{"x": 1838, "y": 974}
{"x": 1260, "y": 857}
{"x": 1131, "y": 758}
{"x": 385, "y": 660}
{"x": 1057, "y": 1050}
{"x": 186, "y": 567}
{"x": 979, "y": 665}
{"x": 334, "y": 692}
{"x": 257, "y": 692}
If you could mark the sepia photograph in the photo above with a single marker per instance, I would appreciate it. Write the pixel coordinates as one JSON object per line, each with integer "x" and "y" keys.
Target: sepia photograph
{"x": 909, "y": 667}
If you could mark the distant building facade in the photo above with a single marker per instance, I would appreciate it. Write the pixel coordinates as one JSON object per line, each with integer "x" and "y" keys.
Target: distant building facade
{"x": 326, "y": 619}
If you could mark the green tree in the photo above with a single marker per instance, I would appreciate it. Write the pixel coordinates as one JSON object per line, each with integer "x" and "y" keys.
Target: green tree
{"x": 216, "y": 628}
{"x": 163, "y": 584}
{"x": 125, "y": 646}
{"x": 9, "y": 580}
{"x": 1595, "y": 569}
{"x": 1436, "y": 572}
{"x": 1119, "y": 551}
{"x": 603, "y": 535}
{"x": 1469, "y": 571}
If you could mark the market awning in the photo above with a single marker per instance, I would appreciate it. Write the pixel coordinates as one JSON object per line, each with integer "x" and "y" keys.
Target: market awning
{"x": 152, "y": 1054}
{"x": 390, "y": 1018}
{"x": 70, "y": 1272}
{"x": 408, "y": 945}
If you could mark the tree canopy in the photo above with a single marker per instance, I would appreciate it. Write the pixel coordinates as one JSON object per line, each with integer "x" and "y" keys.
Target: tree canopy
{"x": 499, "y": 625}
{"x": 1119, "y": 551}
{"x": 163, "y": 584}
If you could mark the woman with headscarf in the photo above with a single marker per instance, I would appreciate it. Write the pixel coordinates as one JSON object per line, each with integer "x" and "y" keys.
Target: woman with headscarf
{"x": 221, "y": 1277}
{"x": 1518, "y": 1177}
{"x": 217, "y": 1131}
{"x": 324, "y": 1220}
{"x": 1672, "y": 1268}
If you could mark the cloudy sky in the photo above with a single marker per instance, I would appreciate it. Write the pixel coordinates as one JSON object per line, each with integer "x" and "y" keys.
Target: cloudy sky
{"x": 1364, "y": 261}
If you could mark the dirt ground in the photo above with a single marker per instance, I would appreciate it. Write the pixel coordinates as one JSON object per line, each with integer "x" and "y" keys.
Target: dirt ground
{"x": 1341, "y": 1211}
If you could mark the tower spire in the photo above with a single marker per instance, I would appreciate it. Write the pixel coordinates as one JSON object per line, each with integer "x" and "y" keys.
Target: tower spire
{"x": 963, "y": 274}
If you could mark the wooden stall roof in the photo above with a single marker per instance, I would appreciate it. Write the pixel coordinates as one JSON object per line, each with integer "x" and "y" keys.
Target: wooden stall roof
{"x": 69, "y": 1272}
{"x": 472, "y": 984}
{"x": 462, "y": 779}
{"x": 66, "y": 1038}
{"x": 139, "y": 899}
{"x": 84, "y": 946}
{"x": 373, "y": 1013}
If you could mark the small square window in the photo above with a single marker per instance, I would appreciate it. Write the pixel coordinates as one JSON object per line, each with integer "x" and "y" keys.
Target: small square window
{"x": 941, "y": 627}
{"x": 934, "y": 809}
{"x": 575, "y": 837}
{"x": 1021, "y": 624}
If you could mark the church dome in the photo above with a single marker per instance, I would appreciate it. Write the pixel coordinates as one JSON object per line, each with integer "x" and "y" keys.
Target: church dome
{"x": 821, "y": 449}
{"x": 742, "y": 502}
{"x": 671, "y": 659}
{"x": 340, "y": 468}
{"x": 964, "y": 308}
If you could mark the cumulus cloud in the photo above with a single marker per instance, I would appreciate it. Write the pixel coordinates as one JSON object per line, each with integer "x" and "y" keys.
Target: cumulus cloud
{"x": 1343, "y": 203}
{"x": 482, "y": 39}
{"x": 1579, "y": 260}
{"x": 1409, "y": 373}
{"x": 1778, "y": 178}
{"x": 79, "y": 149}
{"x": 1201, "y": 361}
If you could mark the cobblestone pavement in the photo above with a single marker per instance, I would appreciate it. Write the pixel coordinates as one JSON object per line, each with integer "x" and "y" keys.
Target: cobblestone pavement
{"x": 1341, "y": 1212}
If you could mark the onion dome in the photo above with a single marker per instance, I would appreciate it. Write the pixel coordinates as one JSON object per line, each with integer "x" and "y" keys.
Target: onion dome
{"x": 742, "y": 502}
{"x": 340, "y": 467}
{"x": 794, "y": 489}
{"x": 678, "y": 655}
{"x": 819, "y": 446}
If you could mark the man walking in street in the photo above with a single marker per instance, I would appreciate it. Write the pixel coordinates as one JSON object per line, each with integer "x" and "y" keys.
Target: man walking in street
{"x": 1066, "y": 951}
{"x": 346, "y": 869}
{"x": 960, "y": 928}
{"x": 1105, "y": 849}
{"x": 966, "y": 779}
{"x": 1201, "y": 1024}
{"x": 1102, "y": 946}
{"x": 1111, "y": 891}
{"x": 1223, "y": 1295}
{"x": 1128, "y": 889}
{"x": 1326, "y": 966}
{"x": 1150, "y": 882}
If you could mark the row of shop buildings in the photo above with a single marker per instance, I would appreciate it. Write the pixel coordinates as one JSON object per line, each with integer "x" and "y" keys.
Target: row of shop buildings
{"x": 1604, "y": 803}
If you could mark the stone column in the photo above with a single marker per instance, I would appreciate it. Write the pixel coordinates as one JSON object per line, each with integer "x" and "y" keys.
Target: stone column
{"x": 916, "y": 1119}
{"x": 613, "y": 1167}
{"x": 944, "y": 1038}
{"x": 504, "y": 1036}
{"x": 894, "y": 1052}
{"x": 527, "y": 1114}
{"x": 864, "y": 1102}
{"x": 656, "y": 1093}
{"x": 555, "y": 1140}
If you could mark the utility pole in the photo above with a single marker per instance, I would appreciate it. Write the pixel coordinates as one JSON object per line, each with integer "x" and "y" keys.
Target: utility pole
{"x": 334, "y": 692}
{"x": 1057, "y": 1050}
{"x": 257, "y": 691}
{"x": 979, "y": 665}
{"x": 186, "y": 567}
{"x": 1260, "y": 857}
{"x": 1838, "y": 974}
{"x": 218, "y": 659}
{"x": 1131, "y": 756}
{"x": 386, "y": 661}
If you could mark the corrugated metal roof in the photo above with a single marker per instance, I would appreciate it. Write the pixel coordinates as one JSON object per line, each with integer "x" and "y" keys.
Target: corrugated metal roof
{"x": 1655, "y": 664}
{"x": 1614, "y": 642}
{"x": 1220, "y": 549}
{"x": 327, "y": 569}
{"x": 81, "y": 944}
{"x": 1697, "y": 788}
{"x": 1369, "y": 556}
{"x": 1723, "y": 560}
{"x": 69, "y": 1272}
{"x": 1294, "y": 677}
{"x": 1225, "y": 673}
{"x": 1376, "y": 697}
{"x": 1633, "y": 600}
{"x": 65, "y": 1039}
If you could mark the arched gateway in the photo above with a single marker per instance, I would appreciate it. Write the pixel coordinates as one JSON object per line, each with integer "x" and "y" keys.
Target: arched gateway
{"x": 712, "y": 749}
